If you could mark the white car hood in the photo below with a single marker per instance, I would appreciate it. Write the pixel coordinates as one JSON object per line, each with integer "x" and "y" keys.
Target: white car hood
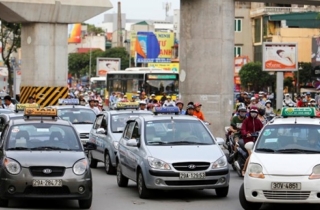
{"x": 286, "y": 164}
{"x": 83, "y": 128}
{"x": 186, "y": 153}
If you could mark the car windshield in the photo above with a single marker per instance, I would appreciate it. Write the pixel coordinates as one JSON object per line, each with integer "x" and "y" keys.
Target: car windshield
{"x": 297, "y": 138}
{"x": 77, "y": 116}
{"x": 42, "y": 136}
{"x": 118, "y": 121}
{"x": 177, "y": 132}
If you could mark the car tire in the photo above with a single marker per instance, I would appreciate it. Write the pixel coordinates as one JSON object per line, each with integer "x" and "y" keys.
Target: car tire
{"x": 85, "y": 204}
{"x": 93, "y": 162}
{"x": 4, "y": 203}
{"x": 222, "y": 192}
{"x": 246, "y": 205}
{"x": 121, "y": 179}
{"x": 143, "y": 191}
{"x": 109, "y": 168}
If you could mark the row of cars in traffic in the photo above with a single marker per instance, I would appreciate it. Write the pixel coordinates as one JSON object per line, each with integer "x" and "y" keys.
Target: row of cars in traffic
{"x": 48, "y": 153}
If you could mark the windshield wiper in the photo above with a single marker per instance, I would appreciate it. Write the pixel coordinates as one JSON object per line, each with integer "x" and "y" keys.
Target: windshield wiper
{"x": 187, "y": 142}
{"x": 18, "y": 148}
{"x": 157, "y": 142}
{"x": 297, "y": 151}
{"x": 50, "y": 148}
{"x": 82, "y": 122}
{"x": 265, "y": 150}
{"x": 117, "y": 131}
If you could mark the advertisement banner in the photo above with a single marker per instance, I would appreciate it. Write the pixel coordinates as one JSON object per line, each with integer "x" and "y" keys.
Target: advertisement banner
{"x": 107, "y": 64}
{"x": 315, "y": 56}
{"x": 154, "y": 47}
{"x": 238, "y": 63}
{"x": 174, "y": 67}
{"x": 280, "y": 56}
{"x": 133, "y": 38}
{"x": 74, "y": 33}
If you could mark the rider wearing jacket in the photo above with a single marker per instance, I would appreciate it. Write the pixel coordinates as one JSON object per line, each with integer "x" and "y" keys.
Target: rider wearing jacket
{"x": 250, "y": 125}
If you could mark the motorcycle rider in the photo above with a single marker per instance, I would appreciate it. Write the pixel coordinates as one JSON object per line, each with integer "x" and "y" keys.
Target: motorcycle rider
{"x": 236, "y": 124}
{"x": 180, "y": 105}
{"x": 249, "y": 126}
{"x": 190, "y": 110}
{"x": 269, "y": 108}
{"x": 169, "y": 102}
{"x": 313, "y": 103}
{"x": 287, "y": 101}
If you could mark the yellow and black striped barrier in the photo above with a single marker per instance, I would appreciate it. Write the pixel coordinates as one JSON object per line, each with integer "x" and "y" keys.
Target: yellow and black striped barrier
{"x": 45, "y": 96}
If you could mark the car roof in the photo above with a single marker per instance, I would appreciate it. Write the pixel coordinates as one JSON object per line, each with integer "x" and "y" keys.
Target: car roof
{"x": 168, "y": 117}
{"x": 295, "y": 120}
{"x": 38, "y": 120}
{"x": 12, "y": 114}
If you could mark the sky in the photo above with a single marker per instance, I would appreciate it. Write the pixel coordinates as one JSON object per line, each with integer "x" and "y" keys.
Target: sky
{"x": 139, "y": 9}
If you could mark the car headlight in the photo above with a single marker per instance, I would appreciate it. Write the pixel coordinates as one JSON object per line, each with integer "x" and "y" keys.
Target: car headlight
{"x": 80, "y": 167}
{"x": 158, "y": 164}
{"x": 255, "y": 170}
{"x": 12, "y": 166}
{"x": 115, "y": 145}
{"x": 220, "y": 163}
{"x": 315, "y": 172}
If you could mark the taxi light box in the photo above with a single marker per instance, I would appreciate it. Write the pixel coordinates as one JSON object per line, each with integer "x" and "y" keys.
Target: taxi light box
{"x": 21, "y": 107}
{"x": 298, "y": 112}
{"x": 40, "y": 112}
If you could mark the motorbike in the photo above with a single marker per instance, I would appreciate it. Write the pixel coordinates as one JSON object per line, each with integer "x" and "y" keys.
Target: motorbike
{"x": 242, "y": 154}
{"x": 230, "y": 145}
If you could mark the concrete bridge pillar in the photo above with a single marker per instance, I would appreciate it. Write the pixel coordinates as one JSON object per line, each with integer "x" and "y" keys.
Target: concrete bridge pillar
{"x": 207, "y": 58}
{"x": 44, "y": 42}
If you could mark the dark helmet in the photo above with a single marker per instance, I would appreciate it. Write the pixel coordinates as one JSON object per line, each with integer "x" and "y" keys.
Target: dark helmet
{"x": 262, "y": 111}
{"x": 190, "y": 107}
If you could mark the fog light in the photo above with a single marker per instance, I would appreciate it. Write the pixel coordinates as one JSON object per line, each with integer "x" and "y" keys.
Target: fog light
{"x": 81, "y": 189}
{"x": 11, "y": 189}
{"x": 254, "y": 193}
{"x": 158, "y": 181}
{"x": 222, "y": 180}
{"x": 318, "y": 195}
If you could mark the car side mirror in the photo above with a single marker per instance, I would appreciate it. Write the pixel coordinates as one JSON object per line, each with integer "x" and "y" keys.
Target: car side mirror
{"x": 90, "y": 146}
{"x": 132, "y": 143}
{"x": 220, "y": 141}
{"x": 101, "y": 131}
{"x": 249, "y": 145}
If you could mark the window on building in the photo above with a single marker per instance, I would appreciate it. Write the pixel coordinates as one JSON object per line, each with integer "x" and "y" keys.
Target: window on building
{"x": 238, "y": 25}
{"x": 257, "y": 30}
{"x": 237, "y": 51}
{"x": 257, "y": 53}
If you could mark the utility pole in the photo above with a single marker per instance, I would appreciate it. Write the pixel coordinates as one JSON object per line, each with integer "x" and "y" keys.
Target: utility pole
{"x": 119, "y": 31}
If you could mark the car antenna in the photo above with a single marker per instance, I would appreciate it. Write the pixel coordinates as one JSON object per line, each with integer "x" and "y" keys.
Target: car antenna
{"x": 295, "y": 121}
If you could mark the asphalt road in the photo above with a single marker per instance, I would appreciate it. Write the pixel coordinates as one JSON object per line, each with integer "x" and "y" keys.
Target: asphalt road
{"x": 107, "y": 195}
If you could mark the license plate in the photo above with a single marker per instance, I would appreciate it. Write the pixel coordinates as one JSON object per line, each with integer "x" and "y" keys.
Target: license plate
{"x": 286, "y": 186}
{"x": 47, "y": 183}
{"x": 200, "y": 175}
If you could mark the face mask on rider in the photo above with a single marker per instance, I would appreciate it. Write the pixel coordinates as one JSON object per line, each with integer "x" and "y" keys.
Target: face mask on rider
{"x": 243, "y": 114}
{"x": 253, "y": 114}
{"x": 268, "y": 105}
{"x": 313, "y": 104}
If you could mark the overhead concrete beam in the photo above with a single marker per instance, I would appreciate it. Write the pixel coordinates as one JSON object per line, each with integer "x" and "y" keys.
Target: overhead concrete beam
{"x": 52, "y": 11}
{"x": 303, "y": 2}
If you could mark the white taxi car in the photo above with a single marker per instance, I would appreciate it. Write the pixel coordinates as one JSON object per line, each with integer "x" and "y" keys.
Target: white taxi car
{"x": 284, "y": 166}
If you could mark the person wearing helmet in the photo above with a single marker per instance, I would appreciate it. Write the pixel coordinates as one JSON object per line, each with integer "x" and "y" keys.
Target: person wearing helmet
{"x": 313, "y": 103}
{"x": 287, "y": 101}
{"x": 261, "y": 115}
{"x": 253, "y": 102}
{"x": 250, "y": 125}
{"x": 169, "y": 102}
{"x": 190, "y": 110}
{"x": 236, "y": 123}
{"x": 93, "y": 106}
{"x": 305, "y": 102}
{"x": 299, "y": 102}
{"x": 269, "y": 109}
{"x": 153, "y": 99}
{"x": 142, "y": 105}
{"x": 198, "y": 113}
{"x": 179, "y": 104}
{"x": 308, "y": 96}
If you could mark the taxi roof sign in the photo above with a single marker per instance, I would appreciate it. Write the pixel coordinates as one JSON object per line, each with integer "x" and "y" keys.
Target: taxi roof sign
{"x": 298, "y": 112}
{"x": 127, "y": 105}
{"x": 21, "y": 107}
{"x": 42, "y": 112}
{"x": 166, "y": 110}
{"x": 69, "y": 101}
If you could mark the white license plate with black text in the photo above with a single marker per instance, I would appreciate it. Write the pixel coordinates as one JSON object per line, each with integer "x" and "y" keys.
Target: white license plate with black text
{"x": 47, "y": 183}
{"x": 193, "y": 175}
{"x": 286, "y": 186}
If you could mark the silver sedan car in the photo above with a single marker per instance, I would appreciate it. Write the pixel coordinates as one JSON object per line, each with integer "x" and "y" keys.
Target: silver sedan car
{"x": 171, "y": 153}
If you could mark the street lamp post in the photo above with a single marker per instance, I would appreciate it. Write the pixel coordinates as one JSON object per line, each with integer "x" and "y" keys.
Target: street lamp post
{"x": 298, "y": 79}
{"x": 90, "y": 61}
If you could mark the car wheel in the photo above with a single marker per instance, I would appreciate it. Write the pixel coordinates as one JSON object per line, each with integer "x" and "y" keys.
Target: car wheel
{"x": 143, "y": 191}
{"x": 246, "y": 204}
{"x": 85, "y": 204}
{"x": 108, "y": 165}
{"x": 4, "y": 203}
{"x": 121, "y": 180}
{"x": 222, "y": 192}
{"x": 93, "y": 162}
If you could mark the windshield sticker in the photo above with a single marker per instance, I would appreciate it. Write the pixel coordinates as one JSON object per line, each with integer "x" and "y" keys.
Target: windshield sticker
{"x": 43, "y": 130}
{"x": 15, "y": 130}
{"x": 150, "y": 122}
{"x": 76, "y": 112}
{"x": 267, "y": 133}
{"x": 273, "y": 140}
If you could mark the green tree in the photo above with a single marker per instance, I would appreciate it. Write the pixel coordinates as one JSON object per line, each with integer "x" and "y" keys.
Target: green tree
{"x": 10, "y": 38}
{"x": 118, "y": 52}
{"x": 252, "y": 74}
{"x": 92, "y": 29}
{"x": 305, "y": 73}
{"x": 288, "y": 82}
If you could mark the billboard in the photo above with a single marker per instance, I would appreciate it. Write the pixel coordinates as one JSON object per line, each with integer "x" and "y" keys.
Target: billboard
{"x": 238, "y": 63}
{"x": 280, "y": 56}
{"x": 154, "y": 47}
{"x": 174, "y": 67}
{"x": 107, "y": 64}
{"x": 74, "y": 33}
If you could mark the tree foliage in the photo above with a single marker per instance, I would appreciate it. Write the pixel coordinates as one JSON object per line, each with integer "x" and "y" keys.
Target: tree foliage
{"x": 10, "y": 38}
{"x": 305, "y": 73}
{"x": 252, "y": 74}
{"x": 79, "y": 62}
{"x": 92, "y": 29}
{"x": 288, "y": 82}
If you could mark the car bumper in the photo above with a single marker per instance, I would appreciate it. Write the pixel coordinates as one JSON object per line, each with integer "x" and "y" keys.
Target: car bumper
{"x": 170, "y": 180}
{"x": 264, "y": 194}
{"x": 22, "y": 184}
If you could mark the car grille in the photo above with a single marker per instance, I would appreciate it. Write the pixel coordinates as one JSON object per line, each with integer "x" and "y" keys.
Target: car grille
{"x": 191, "y": 166}
{"x": 188, "y": 183}
{"x": 287, "y": 195}
{"x": 84, "y": 135}
{"x": 55, "y": 171}
{"x": 47, "y": 190}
